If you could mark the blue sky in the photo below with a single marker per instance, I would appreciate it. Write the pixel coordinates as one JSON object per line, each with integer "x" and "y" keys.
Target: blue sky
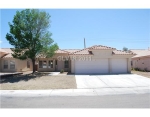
{"x": 116, "y": 28}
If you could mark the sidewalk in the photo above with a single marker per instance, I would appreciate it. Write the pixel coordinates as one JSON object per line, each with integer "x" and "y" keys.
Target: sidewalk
{"x": 74, "y": 92}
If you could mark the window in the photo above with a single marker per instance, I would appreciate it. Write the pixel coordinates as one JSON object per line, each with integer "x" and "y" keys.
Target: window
{"x": 90, "y": 52}
{"x": 12, "y": 64}
{"x": 28, "y": 64}
{"x": 50, "y": 64}
{"x": 44, "y": 64}
{"x": 131, "y": 63}
{"x": 40, "y": 64}
{"x": 66, "y": 63}
{"x": 5, "y": 64}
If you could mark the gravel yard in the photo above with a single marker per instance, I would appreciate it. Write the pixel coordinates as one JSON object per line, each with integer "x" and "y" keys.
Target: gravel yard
{"x": 145, "y": 74}
{"x": 39, "y": 82}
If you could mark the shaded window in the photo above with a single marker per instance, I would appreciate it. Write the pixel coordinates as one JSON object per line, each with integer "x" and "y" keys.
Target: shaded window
{"x": 44, "y": 64}
{"x": 50, "y": 64}
{"x": 28, "y": 64}
{"x": 5, "y": 64}
{"x": 66, "y": 63}
{"x": 12, "y": 64}
{"x": 131, "y": 63}
{"x": 40, "y": 64}
{"x": 90, "y": 52}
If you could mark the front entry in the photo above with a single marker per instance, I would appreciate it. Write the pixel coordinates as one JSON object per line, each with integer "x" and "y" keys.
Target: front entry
{"x": 56, "y": 66}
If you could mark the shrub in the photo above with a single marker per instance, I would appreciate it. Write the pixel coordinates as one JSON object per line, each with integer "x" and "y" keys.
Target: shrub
{"x": 132, "y": 69}
{"x": 137, "y": 69}
{"x": 145, "y": 69}
{"x": 61, "y": 71}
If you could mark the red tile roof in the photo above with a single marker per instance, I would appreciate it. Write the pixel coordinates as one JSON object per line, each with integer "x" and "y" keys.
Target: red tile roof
{"x": 101, "y": 47}
{"x": 119, "y": 52}
{"x": 71, "y": 50}
{"x": 9, "y": 51}
{"x": 3, "y": 51}
{"x": 82, "y": 52}
{"x": 87, "y": 51}
{"x": 61, "y": 51}
{"x": 140, "y": 52}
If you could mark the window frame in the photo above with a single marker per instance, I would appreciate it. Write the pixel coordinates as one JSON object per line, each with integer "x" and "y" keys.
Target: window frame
{"x": 5, "y": 61}
{"x": 44, "y": 64}
{"x": 14, "y": 65}
{"x": 49, "y": 64}
{"x": 66, "y": 64}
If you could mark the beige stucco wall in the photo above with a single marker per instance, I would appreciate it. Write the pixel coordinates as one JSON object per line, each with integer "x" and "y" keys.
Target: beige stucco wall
{"x": 142, "y": 63}
{"x": 72, "y": 66}
{"x": 102, "y": 53}
{"x": 20, "y": 65}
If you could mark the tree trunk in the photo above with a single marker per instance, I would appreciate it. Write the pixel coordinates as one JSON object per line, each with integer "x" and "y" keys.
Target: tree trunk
{"x": 33, "y": 63}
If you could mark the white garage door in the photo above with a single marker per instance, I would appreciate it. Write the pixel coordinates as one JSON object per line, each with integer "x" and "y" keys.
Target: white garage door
{"x": 99, "y": 66}
{"x": 119, "y": 65}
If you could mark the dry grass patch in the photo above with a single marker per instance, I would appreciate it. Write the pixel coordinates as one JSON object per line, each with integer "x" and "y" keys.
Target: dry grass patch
{"x": 145, "y": 74}
{"x": 38, "y": 82}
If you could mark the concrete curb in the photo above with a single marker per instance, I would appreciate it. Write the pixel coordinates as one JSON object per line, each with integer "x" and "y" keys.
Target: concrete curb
{"x": 74, "y": 92}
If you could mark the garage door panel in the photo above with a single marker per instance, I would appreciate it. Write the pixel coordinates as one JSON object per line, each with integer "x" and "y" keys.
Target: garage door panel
{"x": 119, "y": 65}
{"x": 91, "y": 67}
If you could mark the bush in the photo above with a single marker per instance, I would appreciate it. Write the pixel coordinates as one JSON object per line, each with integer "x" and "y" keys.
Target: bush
{"x": 145, "y": 70}
{"x": 132, "y": 69}
{"x": 61, "y": 71}
{"x": 137, "y": 69}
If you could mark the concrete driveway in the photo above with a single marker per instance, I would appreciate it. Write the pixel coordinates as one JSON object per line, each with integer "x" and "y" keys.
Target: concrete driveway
{"x": 111, "y": 81}
{"x": 114, "y": 84}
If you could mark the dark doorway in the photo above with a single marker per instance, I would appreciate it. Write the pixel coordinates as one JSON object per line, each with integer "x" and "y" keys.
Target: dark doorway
{"x": 36, "y": 67}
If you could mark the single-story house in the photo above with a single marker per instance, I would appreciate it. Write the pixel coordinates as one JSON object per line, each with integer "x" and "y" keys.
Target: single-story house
{"x": 141, "y": 60}
{"x": 97, "y": 59}
{"x": 10, "y": 64}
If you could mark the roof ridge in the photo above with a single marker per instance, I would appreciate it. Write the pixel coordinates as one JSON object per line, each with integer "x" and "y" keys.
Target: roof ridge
{"x": 82, "y": 50}
{"x": 91, "y": 47}
{"x": 63, "y": 50}
{"x": 128, "y": 52}
{"x": 79, "y": 51}
{"x": 102, "y": 46}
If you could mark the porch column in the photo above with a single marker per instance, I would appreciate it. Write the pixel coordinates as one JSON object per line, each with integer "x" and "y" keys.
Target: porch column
{"x": 109, "y": 65}
{"x": 129, "y": 65}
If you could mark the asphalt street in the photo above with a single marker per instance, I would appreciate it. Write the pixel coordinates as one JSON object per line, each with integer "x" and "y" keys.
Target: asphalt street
{"x": 105, "y": 101}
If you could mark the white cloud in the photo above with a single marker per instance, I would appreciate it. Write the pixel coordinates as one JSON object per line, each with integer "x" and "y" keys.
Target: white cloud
{"x": 0, "y": 41}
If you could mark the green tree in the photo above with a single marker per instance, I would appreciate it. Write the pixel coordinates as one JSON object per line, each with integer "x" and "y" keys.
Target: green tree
{"x": 125, "y": 49}
{"x": 30, "y": 36}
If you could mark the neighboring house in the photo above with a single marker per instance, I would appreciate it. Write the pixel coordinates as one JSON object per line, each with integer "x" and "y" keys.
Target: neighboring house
{"x": 10, "y": 64}
{"x": 2, "y": 53}
{"x": 97, "y": 59}
{"x": 141, "y": 60}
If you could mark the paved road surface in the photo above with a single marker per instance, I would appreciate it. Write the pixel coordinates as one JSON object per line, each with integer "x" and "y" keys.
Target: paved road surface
{"x": 107, "y": 101}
